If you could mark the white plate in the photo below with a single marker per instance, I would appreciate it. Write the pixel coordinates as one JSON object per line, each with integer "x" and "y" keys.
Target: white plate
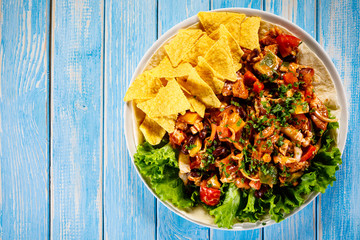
{"x": 130, "y": 125}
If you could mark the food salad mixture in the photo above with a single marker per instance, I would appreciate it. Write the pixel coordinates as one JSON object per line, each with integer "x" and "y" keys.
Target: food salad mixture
{"x": 232, "y": 122}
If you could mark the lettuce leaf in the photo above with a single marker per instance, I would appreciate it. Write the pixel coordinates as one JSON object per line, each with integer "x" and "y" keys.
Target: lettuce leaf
{"x": 159, "y": 165}
{"x": 225, "y": 214}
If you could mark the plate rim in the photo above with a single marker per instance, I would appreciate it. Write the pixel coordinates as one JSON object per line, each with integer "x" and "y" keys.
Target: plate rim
{"x": 130, "y": 132}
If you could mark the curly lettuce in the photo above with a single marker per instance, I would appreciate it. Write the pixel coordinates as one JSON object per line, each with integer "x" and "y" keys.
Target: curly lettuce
{"x": 159, "y": 165}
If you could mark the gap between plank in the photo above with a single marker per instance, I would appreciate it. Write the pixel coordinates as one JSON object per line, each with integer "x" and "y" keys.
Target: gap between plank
{"x": 103, "y": 120}
{"x": 50, "y": 40}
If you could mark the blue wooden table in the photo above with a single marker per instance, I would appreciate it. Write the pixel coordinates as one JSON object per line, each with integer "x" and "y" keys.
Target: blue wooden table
{"x": 65, "y": 169}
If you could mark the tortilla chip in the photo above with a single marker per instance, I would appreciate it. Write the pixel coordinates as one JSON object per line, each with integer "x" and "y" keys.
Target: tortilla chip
{"x": 212, "y": 20}
{"x": 199, "y": 49}
{"x": 220, "y": 59}
{"x": 235, "y": 49}
{"x": 199, "y": 88}
{"x": 139, "y": 117}
{"x": 234, "y": 27}
{"x": 145, "y": 86}
{"x": 152, "y": 131}
{"x": 169, "y": 101}
{"x": 166, "y": 70}
{"x": 249, "y": 37}
{"x": 181, "y": 44}
{"x": 206, "y": 72}
{"x": 166, "y": 122}
{"x": 197, "y": 106}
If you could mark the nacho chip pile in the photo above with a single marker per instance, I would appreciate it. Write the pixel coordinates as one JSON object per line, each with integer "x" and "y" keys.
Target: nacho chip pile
{"x": 194, "y": 70}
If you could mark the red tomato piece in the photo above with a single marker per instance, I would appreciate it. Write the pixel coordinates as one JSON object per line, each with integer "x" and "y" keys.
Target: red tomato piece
{"x": 287, "y": 44}
{"x": 290, "y": 78}
{"x": 308, "y": 94}
{"x": 209, "y": 196}
{"x": 250, "y": 79}
{"x": 223, "y": 132}
{"x": 255, "y": 185}
{"x": 310, "y": 151}
{"x": 258, "y": 86}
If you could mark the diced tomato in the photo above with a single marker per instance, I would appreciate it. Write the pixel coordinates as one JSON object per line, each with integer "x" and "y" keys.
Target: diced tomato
{"x": 290, "y": 78}
{"x": 223, "y": 132}
{"x": 310, "y": 151}
{"x": 209, "y": 196}
{"x": 255, "y": 185}
{"x": 308, "y": 94}
{"x": 250, "y": 79}
{"x": 258, "y": 86}
{"x": 287, "y": 44}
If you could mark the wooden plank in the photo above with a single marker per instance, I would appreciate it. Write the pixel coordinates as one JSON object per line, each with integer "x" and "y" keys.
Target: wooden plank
{"x": 24, "y": 176}
{"x": 129, "y": 207}
{"x": 257, "y": 4}
{"x": 170, "y": 225}
{"x": 76, "y": 119}
{"x": 339, "y": 25}
{"x": 302, "y": 225}
{"x": 251, "y": 234}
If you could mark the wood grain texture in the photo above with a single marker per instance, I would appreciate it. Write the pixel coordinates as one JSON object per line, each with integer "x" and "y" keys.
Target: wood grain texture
{"x": 24, "y": 176}
{"x": 257, "y": 4}
{"x": 76, "y": 119}
{"x": 223, "y": 234}
{"x": 339, "y": 23}
{"x": 302, "y": 225}
{"x": 170, "y": 225}
{"x": 129, "y": 207}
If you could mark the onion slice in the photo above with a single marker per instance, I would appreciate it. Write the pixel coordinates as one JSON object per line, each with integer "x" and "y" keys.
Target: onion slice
{"x": 322, "y": 118}
{"x": 248, "y": 177}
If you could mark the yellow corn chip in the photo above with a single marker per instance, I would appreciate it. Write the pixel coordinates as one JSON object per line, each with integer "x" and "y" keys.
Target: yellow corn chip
{"x": 212, "y": 20}
{"x": 206, "y": 72}
{"x": 199, "y": 88}
{"x": 197, "y": 106}
{"x": 220, "y": 59}
{"x": 166, "y": 70}
{"x": 199, "y": 49}
{"x": 139, "y": 118}
{"x": 145, "y": 86}
{"x": 249, "y": 37}
{"x": 169, "y": 101}
{"x": 235, "y": 49}
{"x": 152, "y": 131}
{"x": 234, "y": 27}
{"x": 166, "y": 122}
{"x": 181, "y": 44}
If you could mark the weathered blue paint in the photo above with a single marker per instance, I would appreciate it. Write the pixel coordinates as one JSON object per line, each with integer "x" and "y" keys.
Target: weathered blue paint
{"x": 24, "y": 179}
{"x": 302, "y": 225}
{"x": 339, "y": 26}
{"x": 95, "y": 192}
{"x": 76, "y": 119}
{"x": 129, "y": 207}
